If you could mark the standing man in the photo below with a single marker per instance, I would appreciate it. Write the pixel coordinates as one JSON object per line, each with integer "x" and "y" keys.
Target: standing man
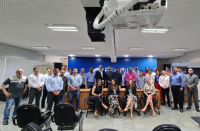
{"x": 117, "y": 76}
{"x": 146, "y": 71}
{"x": 164, "y": 83}
{"x": 89, "y": 79}
{"x": 64, "y": 91}
{"x": 140, "y": 81}
{"x": 35, "y": 82}
{"x": 150, "y": 76}
{"x": 154, "y": 73}
{"x": 46, "y": 76}
{"x": 54, "y": 87}
{"x": 177, "y": 83}
{"x": 130, "y": 75}
{"x": 67, "y": 74}
{"x": 15, "y": 93}
{"x": 101, "y": 75}
{"x": 183, "y": 75}
{"x": 109, "y": 76}
{"x": 136, "y": 71}
{"x": 82, "y": 74}
{"x": 191, "y": 81}
{"x": 74, "y": 83}
{"x": 123, "y": 85}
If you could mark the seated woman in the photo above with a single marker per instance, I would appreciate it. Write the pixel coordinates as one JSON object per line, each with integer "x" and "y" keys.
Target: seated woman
{"x": 149, "y": 91}
{"x": 113, "y": 94}
{"x": 131, "y": 97}
{"x": 97, "y": 91}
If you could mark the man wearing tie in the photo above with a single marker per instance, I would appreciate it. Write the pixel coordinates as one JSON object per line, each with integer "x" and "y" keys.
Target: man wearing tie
{"x": 191, "y": 81}
{"x": 101, "y": 75}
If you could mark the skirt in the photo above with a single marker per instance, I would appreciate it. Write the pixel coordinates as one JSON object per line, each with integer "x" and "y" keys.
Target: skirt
{"x": 157, "y": 85}
{"x": 113, "y": 102}
{"x": 134, "y": 99}
{"x": 153, "y": 97}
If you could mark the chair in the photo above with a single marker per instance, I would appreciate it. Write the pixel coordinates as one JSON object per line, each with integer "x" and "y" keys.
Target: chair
{"x": 91, "y": 105}
{"x": 155, "y": 103}
{"x": 138, "y": 104}
{"x": 33, "y": 127}
{"x": 167, "y": 127}
{"x": 30, "y": 113}
{"x": 197, "y": 119}
{"x": 66, "y": 118}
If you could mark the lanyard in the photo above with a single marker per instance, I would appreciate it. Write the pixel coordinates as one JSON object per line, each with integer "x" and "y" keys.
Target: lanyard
{"x": 74, "y": 77}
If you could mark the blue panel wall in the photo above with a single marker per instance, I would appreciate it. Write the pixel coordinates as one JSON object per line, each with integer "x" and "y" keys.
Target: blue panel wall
{"x": 81, "y": 62}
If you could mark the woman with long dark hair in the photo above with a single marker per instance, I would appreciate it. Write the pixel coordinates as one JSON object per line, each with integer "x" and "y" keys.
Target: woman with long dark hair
{"x": 96, "y": 92}
{"x": 113, "y": 95}
{"x": 157, "y": 85}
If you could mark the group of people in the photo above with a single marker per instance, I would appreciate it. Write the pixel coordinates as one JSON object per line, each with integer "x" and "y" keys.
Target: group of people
{"x": 56, "y": 84}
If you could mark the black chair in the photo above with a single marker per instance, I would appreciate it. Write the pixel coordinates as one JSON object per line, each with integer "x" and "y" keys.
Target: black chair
{"x": 155, "y": 103}
{"x": 30, "y": 113}
{"x": 138, "y": 104}
{"x": 197, "y": 119}
{"x": 33, "y": 127}
{"x": 66, "y": 118}
{"x": 167, "y": 127}
{"x": 91, "y": 105}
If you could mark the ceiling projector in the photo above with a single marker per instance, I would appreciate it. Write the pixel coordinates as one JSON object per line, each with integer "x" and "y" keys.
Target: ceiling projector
{"x": 130, "y": 14}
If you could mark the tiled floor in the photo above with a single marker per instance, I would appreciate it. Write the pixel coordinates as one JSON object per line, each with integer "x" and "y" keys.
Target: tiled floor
{"x": 122, "y": 123}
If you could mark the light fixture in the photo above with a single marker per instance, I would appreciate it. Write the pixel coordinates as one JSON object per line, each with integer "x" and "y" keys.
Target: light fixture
{"x": 97, "y": 55}
{"x": 126, "y": 55}
{"x": 71, "y": 55}
{"x": 154, "y": 30}
{"x": 150, "y": 55}
{"x": 41, "y": 47}
{"x": 136, "y": 48}
{"x": 88, "y": 48}
{"x": 56, "y": 27}
{"x": 180, "y": 49}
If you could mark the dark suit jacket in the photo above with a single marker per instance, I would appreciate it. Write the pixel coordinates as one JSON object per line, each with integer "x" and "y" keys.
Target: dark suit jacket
{"x": 118, "y": 78}
{"x": 98, "y": 76}
{"x": 134, "y": 92}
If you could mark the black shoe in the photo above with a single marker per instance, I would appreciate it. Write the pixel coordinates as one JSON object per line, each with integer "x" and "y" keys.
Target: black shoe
{"x": 188, "y": 108}
{"x": 174, "y": 108}
{"x": 169, "y": 105}
{"x": 181, "y": 110}
{"x": 162, "y": 104}
{"x": 197, "y": 110}
{"x": 5, "y": 122}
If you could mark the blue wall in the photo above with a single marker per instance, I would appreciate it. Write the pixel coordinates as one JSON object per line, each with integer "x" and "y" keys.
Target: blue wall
{"x": 81, "y": 62}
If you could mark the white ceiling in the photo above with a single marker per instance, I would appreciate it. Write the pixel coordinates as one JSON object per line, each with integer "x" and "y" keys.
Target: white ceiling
{"x": 22, "y": 24}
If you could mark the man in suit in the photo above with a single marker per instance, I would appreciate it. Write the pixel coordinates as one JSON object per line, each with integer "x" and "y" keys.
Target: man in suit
{"x": 117, "y": 76}
{"x": 101, "y": 75}
{"x": 191, "y": 81}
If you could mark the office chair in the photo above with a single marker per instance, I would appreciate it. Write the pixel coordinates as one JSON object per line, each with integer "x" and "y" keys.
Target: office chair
{"x": 155, "y": 103}
{"x": 167, "y": 127}
{"x": 91, "y": 105}
{"x": 30, "y": 113}
{"x": 138, "y": 104}
{"x": 66, "y": 118}
{"x": 33, "y": 127}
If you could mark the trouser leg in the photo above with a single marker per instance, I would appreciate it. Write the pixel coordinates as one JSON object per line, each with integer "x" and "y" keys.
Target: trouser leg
{"x": 167, "y": 94}
{"x": 180, "y": 98}
{"x": 37, "y": 98}
{"x": 50, "y": 100}
{"x": 163, "y": 94}
{"x": 77, "y": 99}
{"x": 174, "y": 93}
{"x": 44, "y": 96}
{"x": 189, "y": 95}
{"x": 196, "y": 97}
{"x": 31, "y": 96}
{"x": 9, "y": 103}
{"x": 17, "y": 104}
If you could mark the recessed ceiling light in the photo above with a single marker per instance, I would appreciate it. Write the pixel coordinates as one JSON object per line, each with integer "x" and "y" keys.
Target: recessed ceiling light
{"x": 154, "y": 30}
{"x": 180, "y": 49}
{"x": 97, "y": 55}
{"x": 126, "y": 55}
{"x": 88, "y": 48}
{"x": 150, "y": 55}
{"x": 136, "y": 48}
{"x": 71, "y": 55}
{"x": 41, "y": 47}
{"x": 56, "y": 27}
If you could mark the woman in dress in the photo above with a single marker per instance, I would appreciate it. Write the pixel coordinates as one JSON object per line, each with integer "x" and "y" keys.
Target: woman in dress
{"x": 149, "y": 91}
{"x": 96, "y": 92}
{"x": 131, "y": 97}
{"x": 113, "y": 95}
{"x": 157, "y": 85}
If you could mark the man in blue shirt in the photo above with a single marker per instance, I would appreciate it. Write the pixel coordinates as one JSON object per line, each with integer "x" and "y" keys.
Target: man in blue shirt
{"x": 183, "y": 75}
{"x": 54, "y": 87}
{"x": 123, "y": 85}
{"x": 136, "y": 71}
{"x": 89, "y": 79}
{"x": 74, "y": 83}
{"x": 140, "y": 81}
{"x": 176, "y": 82}
{"x": 109, "y": 76}
{"x": 67, "y": 74}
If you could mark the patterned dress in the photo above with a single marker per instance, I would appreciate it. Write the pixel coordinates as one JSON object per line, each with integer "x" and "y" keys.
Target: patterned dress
{"x": 134, "y": 98}
{"x": 113, "y": 102}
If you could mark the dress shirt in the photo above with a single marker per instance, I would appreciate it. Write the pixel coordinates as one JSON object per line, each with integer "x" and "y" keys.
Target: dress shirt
{"x": 176, "y": 79}
{"x": 109, "y": 75}
{"x": 130, "y": 76}
{"x": 54, "y": 83}
{"x": 183, "y": 75}
{"x": 164, "y": 81}
{"x": 123, "y": 80}
{"x": 151, "y": 77}
{"x": 75, "y": 81}
{"x": 154, "y": 74}
{"x": 83, "y": 77}
{"x": 157, "y": 79}
{"x": 145, "y": 73}
{"x": 46, "y": 76}
{"x": 149, "y": 89}
{"x": 101, "y": 72}
{"x": 67, "y": 74}
{"x": 34, "y": 81}
{"x": 89, "y": 77}
{"x": 140, "y": 82}
{"x": 137, "y": 73}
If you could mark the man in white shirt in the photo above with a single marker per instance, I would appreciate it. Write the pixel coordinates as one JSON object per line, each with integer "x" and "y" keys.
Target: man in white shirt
{"x": 164, "y": 83}
{"x": 154, "y": 73}
{"x": 64, "y": 67}
{"x": 35, "y": 83}
{"x": 150, "y": 76}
